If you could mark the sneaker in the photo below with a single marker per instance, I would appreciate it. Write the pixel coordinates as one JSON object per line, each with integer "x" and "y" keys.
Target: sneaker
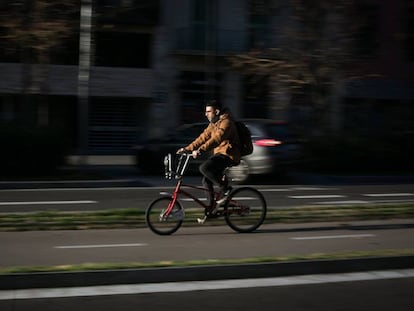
{"x": 224, "y": 196}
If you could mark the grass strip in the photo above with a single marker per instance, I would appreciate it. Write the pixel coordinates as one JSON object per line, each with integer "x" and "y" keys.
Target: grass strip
{"x": 135, "y": 218}
{"x": 207, "y": 262}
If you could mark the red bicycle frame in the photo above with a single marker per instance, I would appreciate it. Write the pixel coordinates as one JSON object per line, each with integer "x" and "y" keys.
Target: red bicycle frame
{"x": 179, "y": 191}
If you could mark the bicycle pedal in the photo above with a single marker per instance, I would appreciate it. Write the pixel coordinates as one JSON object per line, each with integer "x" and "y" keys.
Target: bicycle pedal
{"x": 201, "y": 220}
{"x": 215, "y": 213}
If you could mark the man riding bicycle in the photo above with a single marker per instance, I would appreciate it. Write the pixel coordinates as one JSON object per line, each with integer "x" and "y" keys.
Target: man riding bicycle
{"x": 221, "y": 136}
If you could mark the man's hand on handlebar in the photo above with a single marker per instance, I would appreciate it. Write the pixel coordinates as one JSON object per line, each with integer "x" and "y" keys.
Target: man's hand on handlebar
{"x": 181, "y": 151}
{"x": 194, "y": 153}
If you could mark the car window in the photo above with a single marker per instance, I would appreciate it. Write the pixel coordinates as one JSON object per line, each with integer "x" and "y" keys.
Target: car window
{"x": 254, "y": 131}
{"x": 279, "y": 131}
{"x": 188, "y": 133}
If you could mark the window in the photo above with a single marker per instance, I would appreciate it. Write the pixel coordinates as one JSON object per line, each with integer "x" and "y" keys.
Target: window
{"x": 259, "y": 23}
{"x": 7, "y": 108}
{"x": 121, "y": 49}
{"x": 127, "y": 12}
{"x": 9, "y": 51}
{"x": 67, "y": 52}
{"x": 255, "y": 97}
{"x": 366, "y": 41}
{"x": 408, "y": 30}
{"x": 203, "y": 24}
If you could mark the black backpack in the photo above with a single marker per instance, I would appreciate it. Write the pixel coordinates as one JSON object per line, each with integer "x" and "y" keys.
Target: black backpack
{"x": 245, "y": 137}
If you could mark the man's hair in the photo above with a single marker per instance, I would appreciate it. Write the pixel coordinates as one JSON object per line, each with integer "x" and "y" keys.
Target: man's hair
{"x": 213, "y": 103}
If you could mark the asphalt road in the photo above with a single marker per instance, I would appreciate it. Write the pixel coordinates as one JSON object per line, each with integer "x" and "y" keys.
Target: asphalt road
{"x": 103, "y": 197}
{"x": 45, "y": 248}
{"x": 370, "y": 290}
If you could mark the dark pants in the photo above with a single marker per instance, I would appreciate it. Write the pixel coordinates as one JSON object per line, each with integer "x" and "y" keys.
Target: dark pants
{"x": 213, "y": 171}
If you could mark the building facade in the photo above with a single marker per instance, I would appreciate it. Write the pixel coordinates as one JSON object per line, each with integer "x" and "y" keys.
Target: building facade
{"x": 154, "y": 63}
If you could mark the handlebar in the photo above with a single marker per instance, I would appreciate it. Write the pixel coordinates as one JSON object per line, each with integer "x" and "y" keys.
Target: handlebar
{"x": 176, "y": 170}
{"x": 185, "y": 153}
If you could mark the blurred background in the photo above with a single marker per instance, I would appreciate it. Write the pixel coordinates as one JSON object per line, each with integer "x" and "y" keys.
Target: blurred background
{"x": 97, "y": 77}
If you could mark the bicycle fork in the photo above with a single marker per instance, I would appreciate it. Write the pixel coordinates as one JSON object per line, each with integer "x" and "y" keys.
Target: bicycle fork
{"x": 169, "y": 211}
{"x": 164, "y": 215}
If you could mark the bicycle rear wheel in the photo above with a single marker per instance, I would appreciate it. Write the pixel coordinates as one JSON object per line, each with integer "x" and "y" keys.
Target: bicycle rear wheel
{"x": 245, "y": 209}
{"x": 158, "y": 222}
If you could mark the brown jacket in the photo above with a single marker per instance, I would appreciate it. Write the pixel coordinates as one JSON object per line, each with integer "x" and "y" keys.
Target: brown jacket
{"x": 220, "y": 136}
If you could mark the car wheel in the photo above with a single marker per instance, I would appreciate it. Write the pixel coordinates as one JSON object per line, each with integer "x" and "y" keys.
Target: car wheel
{"x": 239, "y": 174}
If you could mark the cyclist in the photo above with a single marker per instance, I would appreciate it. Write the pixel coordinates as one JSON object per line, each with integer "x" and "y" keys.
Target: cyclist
{"x": 221, "y": 136}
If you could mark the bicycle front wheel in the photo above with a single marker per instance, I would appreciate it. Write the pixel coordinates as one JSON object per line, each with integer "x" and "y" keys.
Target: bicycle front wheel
{"x": 158, "y": 222}
{"x": 245, "y": 209}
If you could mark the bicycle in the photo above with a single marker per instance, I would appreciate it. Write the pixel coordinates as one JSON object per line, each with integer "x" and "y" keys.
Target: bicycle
{"x": 244, "y": 209}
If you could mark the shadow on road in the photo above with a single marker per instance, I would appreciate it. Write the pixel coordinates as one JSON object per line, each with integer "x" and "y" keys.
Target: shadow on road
{"x": 350, "y": 227}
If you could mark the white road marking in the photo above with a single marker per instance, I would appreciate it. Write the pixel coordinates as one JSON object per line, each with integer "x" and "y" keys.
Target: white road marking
{"x": 237, "y": 198}
{"x": 344, "y": 236}
{"x": 171, "y": 287}
{"x": 312, "y": 188}
{"x": 388, "y": 194}
{"x": 100, "y": 245}
{"x": 296, "y": 189}
{"x": 81, "y": 189}
{"x": 48, "y": 202}
{"x": 344, "y": 202}
{"x": 153, "y": 188}
{"x": 322, "y": 196}
{"x": 245, "y": 198}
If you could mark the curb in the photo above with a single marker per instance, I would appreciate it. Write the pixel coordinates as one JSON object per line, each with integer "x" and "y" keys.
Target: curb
{"x": 200, "y": 273}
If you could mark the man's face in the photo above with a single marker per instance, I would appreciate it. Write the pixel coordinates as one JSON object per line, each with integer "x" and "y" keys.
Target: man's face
{"x": 211, "y": 113}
